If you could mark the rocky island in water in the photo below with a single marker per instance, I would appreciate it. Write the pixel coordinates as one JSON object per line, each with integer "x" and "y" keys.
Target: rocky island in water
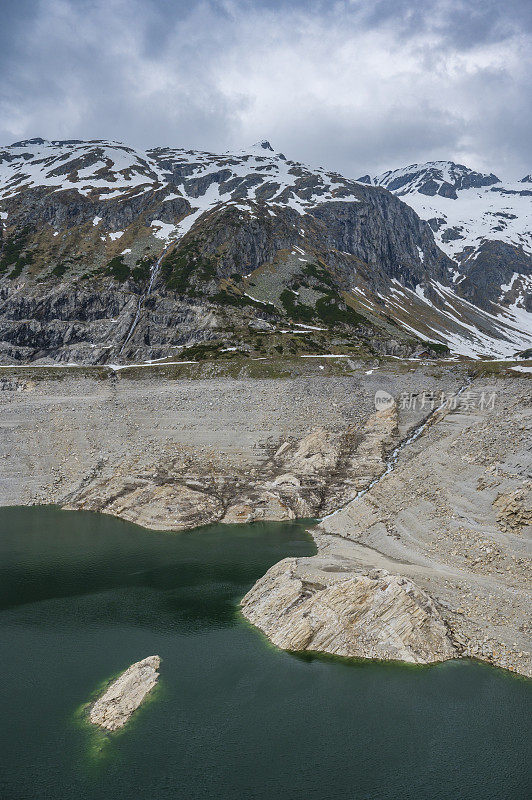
{"x": 125, "y": 694}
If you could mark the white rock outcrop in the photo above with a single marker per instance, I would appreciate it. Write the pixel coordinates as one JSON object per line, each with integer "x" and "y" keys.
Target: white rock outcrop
{"x": 114, "y": 708}
{"x": 375, "y": 615}
{"x": 160, "y": 507}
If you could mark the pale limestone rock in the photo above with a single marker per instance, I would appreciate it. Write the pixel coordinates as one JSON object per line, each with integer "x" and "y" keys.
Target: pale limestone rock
{"x": 325, "y": 470}
{"x": 367, "y": 460}
{"x": 268, "y": 506}
{"x": 239, "y": 513}
{"x": 316, "y": 451}
{"x": 379, "y": 615}
{"x": 170, "y": 506}
{"x": 114, "y": 708}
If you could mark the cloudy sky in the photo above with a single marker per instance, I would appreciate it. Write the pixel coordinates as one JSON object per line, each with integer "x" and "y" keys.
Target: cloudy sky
{"x": 357, "y": 86}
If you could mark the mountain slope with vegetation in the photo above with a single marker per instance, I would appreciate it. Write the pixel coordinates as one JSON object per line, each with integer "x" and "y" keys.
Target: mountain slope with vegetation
{"x": 111, "y": 255}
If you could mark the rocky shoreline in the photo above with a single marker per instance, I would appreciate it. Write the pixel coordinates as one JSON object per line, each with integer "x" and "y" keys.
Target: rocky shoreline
{"x": 432, "y": 562}
{"x": 176, "y": 454}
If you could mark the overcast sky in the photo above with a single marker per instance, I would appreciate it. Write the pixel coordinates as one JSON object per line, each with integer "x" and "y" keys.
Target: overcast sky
{"x": 358, "y": 86}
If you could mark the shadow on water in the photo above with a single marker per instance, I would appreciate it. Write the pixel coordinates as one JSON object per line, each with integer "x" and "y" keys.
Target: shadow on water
{"x": 91, "y": 554}
{"x": 83, "y": 596}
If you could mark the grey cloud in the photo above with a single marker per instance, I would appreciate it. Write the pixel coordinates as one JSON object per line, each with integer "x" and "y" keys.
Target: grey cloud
{"x": 462, "y": 23}
{"x": 355, "y": 86}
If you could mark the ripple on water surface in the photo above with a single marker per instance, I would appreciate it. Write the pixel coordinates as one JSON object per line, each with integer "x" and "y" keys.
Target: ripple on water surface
{"x": 83, "y": 596}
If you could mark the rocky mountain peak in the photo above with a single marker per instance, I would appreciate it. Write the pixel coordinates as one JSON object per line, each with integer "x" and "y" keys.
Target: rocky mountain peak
{"x": 444, "y": 178}
{"x": 263, "y": 144}
{"x": 481, "y": 222}
{"x": 29, "y": 142}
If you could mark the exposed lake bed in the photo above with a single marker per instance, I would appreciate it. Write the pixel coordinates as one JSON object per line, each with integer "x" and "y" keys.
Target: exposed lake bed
{"x": 448, "y": 510}
{"x": 83, "y": 596}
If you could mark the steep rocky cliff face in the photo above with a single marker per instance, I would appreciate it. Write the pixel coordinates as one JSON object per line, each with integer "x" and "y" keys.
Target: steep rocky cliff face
{"x": 498, "y": 271}
{"x": 108, "y": 254}
{"x": 482, "y": 223}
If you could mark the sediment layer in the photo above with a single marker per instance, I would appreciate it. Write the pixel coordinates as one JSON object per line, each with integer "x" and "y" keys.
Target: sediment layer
{"x": 431, "y": 563}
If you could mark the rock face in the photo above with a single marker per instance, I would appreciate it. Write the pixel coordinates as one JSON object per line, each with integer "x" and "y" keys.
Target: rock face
{"x": 515, "y": 508}
{"x": 431, "y": 563}
{"x": 492, "y": 246}
{"x": 163, "y": 507}
{"x": 104, "y": 263}
{"x": 498, "y": 271}
{"x": 377, "y": 615}
{"x": 114, "y": 708}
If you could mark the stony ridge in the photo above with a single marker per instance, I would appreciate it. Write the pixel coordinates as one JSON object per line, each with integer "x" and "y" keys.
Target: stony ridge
{"x": 378, "y": 615}
{"x": 481, "y": 222}
{"x": 109, "y": 254}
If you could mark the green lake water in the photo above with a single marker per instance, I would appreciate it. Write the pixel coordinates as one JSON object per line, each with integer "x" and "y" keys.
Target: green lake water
{"x": 82, "y": 596}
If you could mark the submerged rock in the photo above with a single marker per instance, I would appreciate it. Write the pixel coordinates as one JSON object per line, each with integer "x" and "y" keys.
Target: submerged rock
{"x": 114, "y": 708}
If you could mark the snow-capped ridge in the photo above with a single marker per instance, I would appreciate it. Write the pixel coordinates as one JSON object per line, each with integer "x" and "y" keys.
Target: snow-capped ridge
{"x": 434, "y": 177}
{"x": 464, "y": 208}
{"x": 27, "y": 142}
{"x": 263, "y": 144}
{"x": 107, "y": 170}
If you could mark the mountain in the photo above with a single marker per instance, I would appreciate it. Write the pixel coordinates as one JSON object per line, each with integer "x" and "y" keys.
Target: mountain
{"x": 479, "y": 221}
{"x": 113, "y": 254}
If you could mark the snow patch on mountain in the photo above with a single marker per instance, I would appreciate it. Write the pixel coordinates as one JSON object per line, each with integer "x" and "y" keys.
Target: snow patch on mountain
{"x": 108, "y": 170}
{"x": 97, "y": 167}
{"x": 450, "y": 319}
{"x": 464, "y": 208}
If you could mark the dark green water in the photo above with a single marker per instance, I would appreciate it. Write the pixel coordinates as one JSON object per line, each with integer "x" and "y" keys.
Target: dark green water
{"x": 82, "y": 596}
